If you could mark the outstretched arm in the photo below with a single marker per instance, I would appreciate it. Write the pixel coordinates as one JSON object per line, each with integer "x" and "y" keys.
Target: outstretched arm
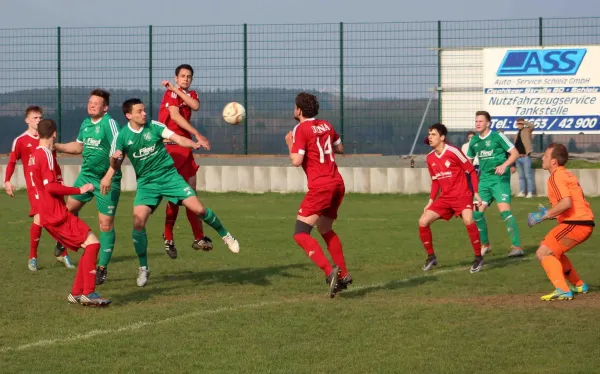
{"x": 73, "y": 148}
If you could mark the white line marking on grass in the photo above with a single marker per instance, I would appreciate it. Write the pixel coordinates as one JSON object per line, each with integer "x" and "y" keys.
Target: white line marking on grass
{"x": 139, "y": 325}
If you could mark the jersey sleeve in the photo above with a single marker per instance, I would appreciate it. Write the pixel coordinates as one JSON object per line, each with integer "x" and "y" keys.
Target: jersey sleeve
{"x": 470, "y": 151}
{"x": 80, "y": 134}
{"x": 462, "y": 160}
{"x": 171, "y": 99}
{"x": 559, "y": 183}
{"x": 160, "y": 130}
{"x": 16, "y": 149}
{"x": 112, "y": 135}
{"x": 299, "y": 140}
{"x": 336, "y": 137}
{"x": 120, "y": 142}
{"x": 506, "y": 144}
{"x": 194, "y": 95}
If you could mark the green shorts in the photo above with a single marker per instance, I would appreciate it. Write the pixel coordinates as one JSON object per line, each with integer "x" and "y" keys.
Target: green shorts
{"x": 495, "y": 190}
{"x": 106, "y": 204}
{"x": 170, "y": 186}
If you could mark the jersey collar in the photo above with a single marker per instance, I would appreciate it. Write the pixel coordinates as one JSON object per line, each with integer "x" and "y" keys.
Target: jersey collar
{"x": 134, "y": 130}
{"x": 308, "y": 119}
{"x": 95, "y": 123}
{"x": 488, "y": 134}
{"x": 443, "y": 151}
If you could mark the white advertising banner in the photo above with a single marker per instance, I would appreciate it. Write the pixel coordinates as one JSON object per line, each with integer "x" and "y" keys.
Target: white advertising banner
{"x": 556, "y": 88}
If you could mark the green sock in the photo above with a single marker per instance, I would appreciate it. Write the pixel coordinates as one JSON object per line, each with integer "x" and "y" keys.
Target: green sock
{"x": 140, "y": 243}
{"x": 511, "y": 226}
{"x": 211, "y": 219}
{"x": 107, "y": 245}
{"x": 482, "y": 227}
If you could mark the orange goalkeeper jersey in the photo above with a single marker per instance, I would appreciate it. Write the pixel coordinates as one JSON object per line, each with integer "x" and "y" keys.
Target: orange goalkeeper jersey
{"x": 561, "y": 184}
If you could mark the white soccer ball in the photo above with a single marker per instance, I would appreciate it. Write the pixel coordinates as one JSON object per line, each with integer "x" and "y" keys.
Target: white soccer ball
{"x": 234, "y": 113}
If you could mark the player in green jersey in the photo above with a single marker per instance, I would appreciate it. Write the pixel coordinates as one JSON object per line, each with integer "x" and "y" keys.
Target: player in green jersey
{"x": 491, "y": 148}
{"x": 142, "y": 142}
{"x": 96, "y": 143}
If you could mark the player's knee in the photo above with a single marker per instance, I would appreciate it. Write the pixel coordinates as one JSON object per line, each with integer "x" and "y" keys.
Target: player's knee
{"x": 106, "y": 224}
{"x": 138, "y": 222}
{"x": 36, "y": 219}
{"x": 302, "y": 228}
{"x": 91, "y": 239}
{"x": 542, "y": 252}
{"x": 424, "y": 221}
{"x": 477, "y": 215}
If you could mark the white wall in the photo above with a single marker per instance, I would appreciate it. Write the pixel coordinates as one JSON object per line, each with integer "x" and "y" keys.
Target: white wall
{"x": 258, "y": 179}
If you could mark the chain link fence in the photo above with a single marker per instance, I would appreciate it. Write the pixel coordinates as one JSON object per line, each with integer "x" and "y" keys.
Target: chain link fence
{"x": 376, "y": 82}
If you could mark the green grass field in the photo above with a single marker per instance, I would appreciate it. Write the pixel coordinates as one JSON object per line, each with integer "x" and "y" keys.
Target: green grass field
{"x": 265, "y": 310}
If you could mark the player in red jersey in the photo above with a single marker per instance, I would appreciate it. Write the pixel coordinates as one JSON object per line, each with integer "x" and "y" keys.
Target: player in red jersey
{"x": 23, "y": 146}
{"x": 69, "y": 230}
{"x": 312, "y": 145}
{"x": 175, "y": 112}
{"x": 447, "y": 166}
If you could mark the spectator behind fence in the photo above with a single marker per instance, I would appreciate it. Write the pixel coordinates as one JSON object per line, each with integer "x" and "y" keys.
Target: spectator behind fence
{"x": 524, "y": 146}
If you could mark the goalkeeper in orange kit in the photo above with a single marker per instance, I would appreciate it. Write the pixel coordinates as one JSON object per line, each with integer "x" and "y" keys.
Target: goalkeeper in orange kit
{"x": 575, "y": 225}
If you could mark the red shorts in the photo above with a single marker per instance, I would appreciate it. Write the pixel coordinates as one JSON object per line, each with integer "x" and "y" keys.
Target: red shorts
{"x": 72, "y": 233}
{"x": 448, "y": 208}
{"x": 324, "y": 201}
{"x": 184, "y": 160}
{"x": 32, "y": 202}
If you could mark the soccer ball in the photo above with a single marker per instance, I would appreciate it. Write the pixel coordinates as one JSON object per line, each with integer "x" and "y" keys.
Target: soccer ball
{"x": 234, "y": 113}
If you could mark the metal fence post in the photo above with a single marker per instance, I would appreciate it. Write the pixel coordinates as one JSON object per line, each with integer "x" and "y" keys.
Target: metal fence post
{"x": 541, "y": 43}
{"x": 58, "y": 90}
{"x": 150, "y": 69}
{"x": 246, "y": 88}
{"x": 439, "y": 63}
{"x": 342, "y": 81}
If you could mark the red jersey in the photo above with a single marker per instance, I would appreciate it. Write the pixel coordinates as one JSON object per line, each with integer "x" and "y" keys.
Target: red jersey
{"x": 449, "y": 169}
{"x": 171, "y": 98}
{"x": 315, "y": 139}
{"x": 23, "y": 146}
{"x": 44, "y": 169}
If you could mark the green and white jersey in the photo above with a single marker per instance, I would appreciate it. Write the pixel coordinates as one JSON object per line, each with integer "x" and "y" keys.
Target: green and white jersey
{"x": 491, "y": 151}
{"x": 145, "y": 150}
{"x": 98, "y": 140}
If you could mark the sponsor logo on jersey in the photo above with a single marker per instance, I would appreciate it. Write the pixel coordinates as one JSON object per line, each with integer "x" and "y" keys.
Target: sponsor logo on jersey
{"x": 320, "y": 128}
{"x": 144, "y": 152}
{"x": 484, "y": 154}
{"x": 442, "y": 175}
{"x": 92, "y": 142}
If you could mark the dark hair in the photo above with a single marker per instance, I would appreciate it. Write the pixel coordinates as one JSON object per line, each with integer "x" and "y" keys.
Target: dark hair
{"x": 470, "y": 133}
{"x": 186, "y": 67}
{"x": 103, "y": 94}
{"x": 560, "y": 153}
{"x": 129, "y": 103}
{"x": 485, "y": 114}
{"x": 440, "y": 128}
{"x": 308, "y": 104}
{"x": 46, "y": 128}
{"x": 33, "y": 109}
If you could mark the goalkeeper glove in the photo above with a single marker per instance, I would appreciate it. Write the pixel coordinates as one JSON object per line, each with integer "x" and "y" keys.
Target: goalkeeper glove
{"x": 536, "y": 217}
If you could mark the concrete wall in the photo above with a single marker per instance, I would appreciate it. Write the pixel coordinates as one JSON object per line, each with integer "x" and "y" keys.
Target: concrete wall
{"x": 259, "y": 179}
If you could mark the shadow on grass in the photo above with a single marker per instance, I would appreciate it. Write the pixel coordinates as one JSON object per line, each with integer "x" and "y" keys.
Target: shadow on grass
{"x": 252, "y": 276}
{"x": 391, "y": 285}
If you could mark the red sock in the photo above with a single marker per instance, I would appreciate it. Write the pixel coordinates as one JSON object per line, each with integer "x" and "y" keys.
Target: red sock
{"x": 473, "y": 232}
{"x": 77, "y": 289}
{"x": 171, "y": 217}
{"x": 334, "y": 246}
{"x": 196, "y": 223}
{"x": 313, "y": 250}
{"x": 426, "y": 239}
{"x": 88, "y": 259}
{"x": 35, "y": 232}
